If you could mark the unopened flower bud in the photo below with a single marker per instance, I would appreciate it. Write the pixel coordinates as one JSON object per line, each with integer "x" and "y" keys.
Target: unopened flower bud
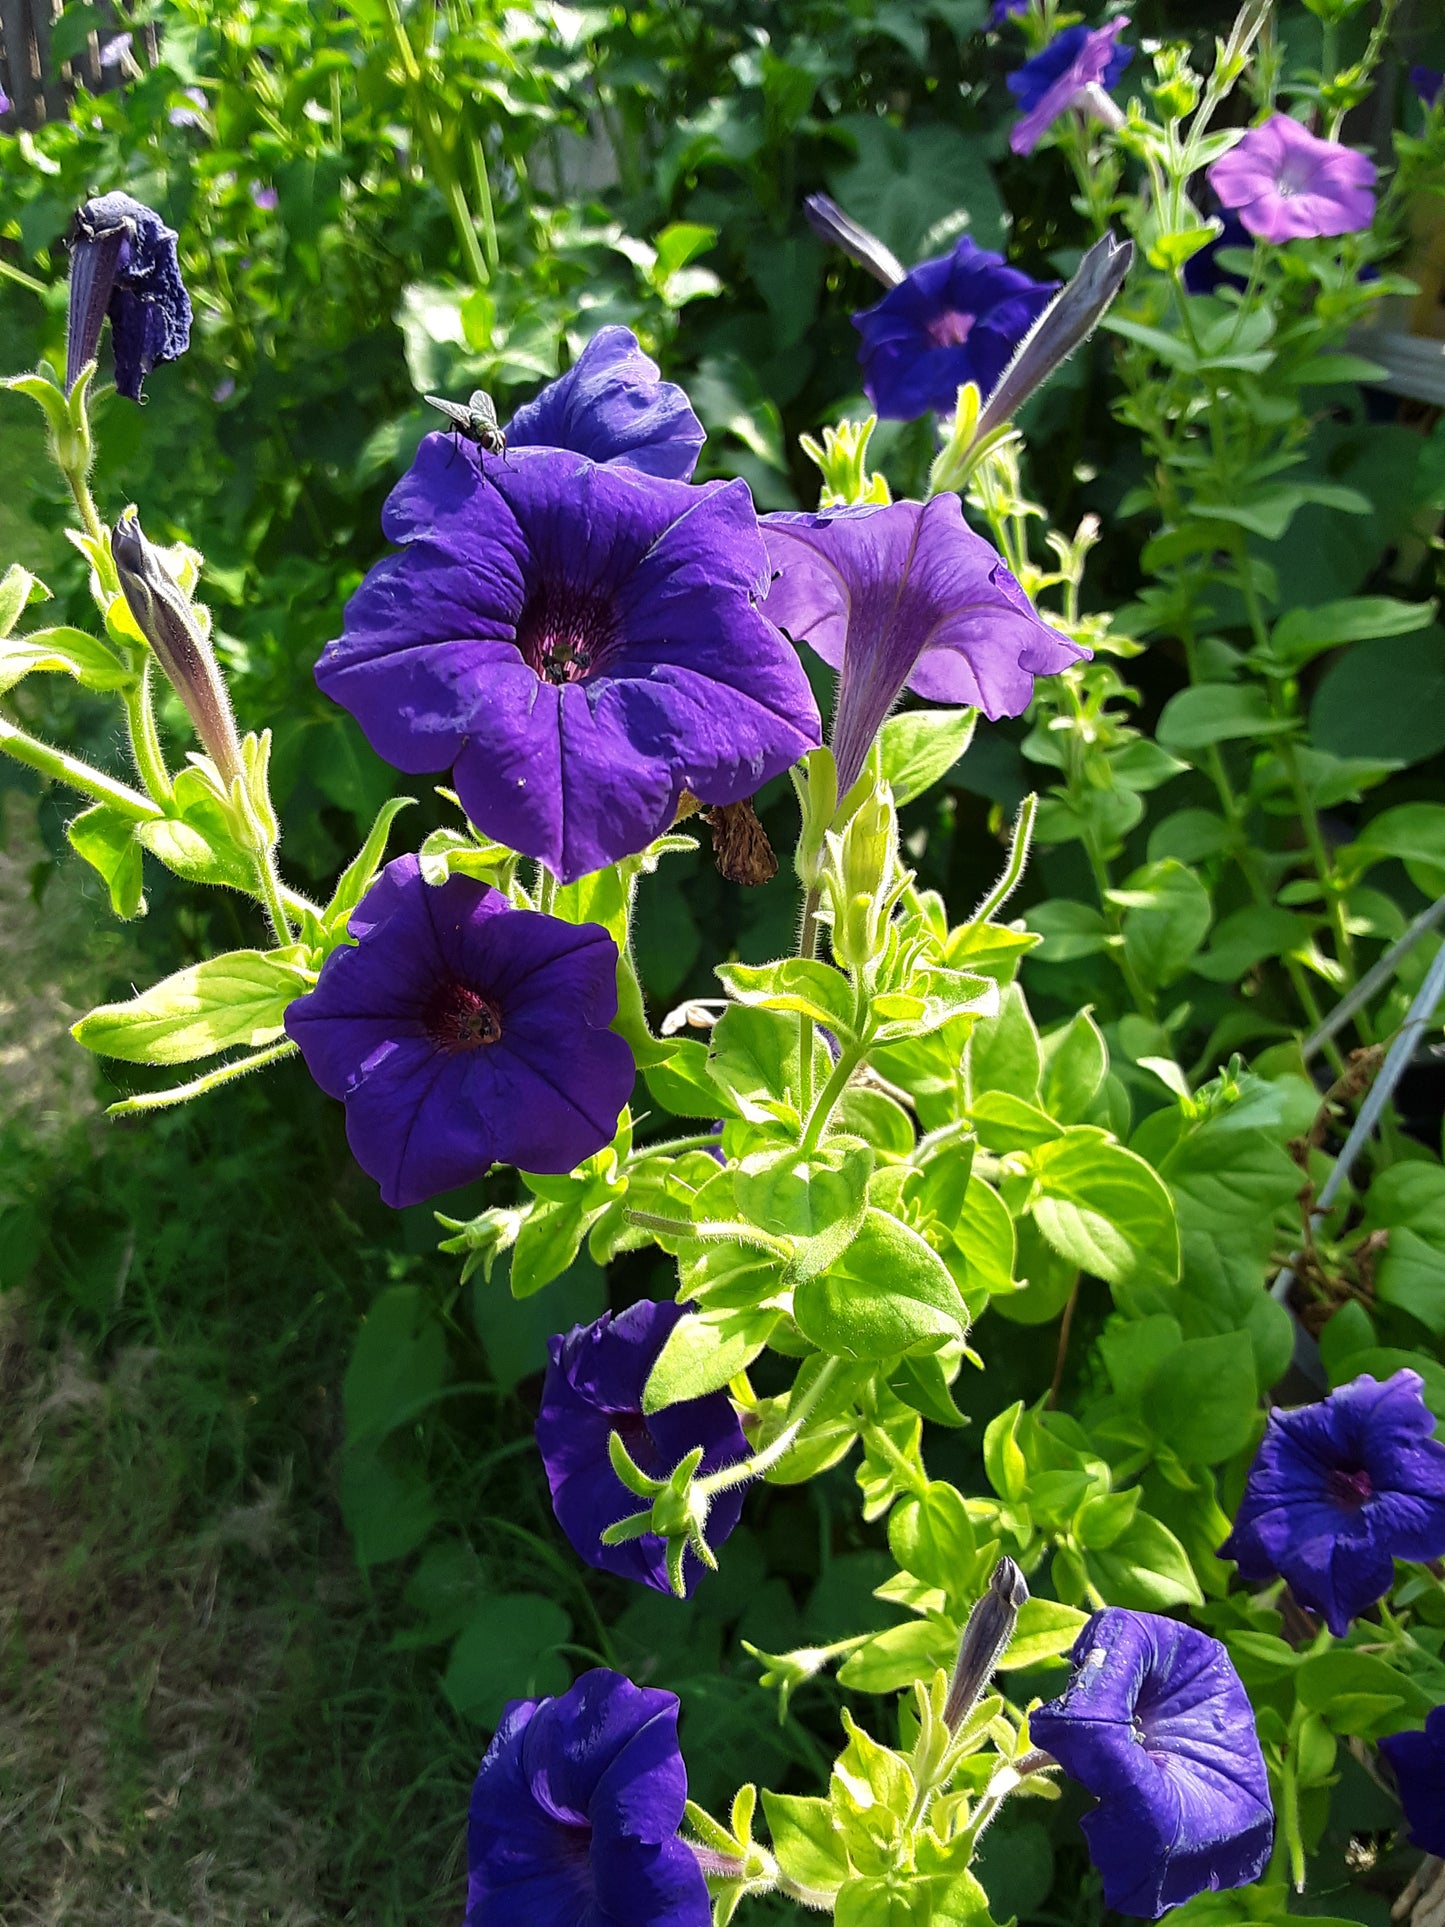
{"x": 985, "y": 1640}
{"x": 830, "y": 223}
{"x": 1069, "y": 319}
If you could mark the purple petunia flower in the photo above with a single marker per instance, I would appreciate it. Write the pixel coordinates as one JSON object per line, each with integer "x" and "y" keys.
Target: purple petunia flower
{"x": 1418, "y": 1760}
{"x": 1428, "y": 83}
{"x": 577, "y": 643}
{"x": 1078, "y": 61}
{"x": 1002, "y": 11}
{"x": 461, "y": 1033}
{"x": 1156, "y": 1724}
{"x": 612, "y": 406}
{"x": 123, "y": 263}
{"x": 1338, "y": 1491}
{"x": 593, "y": 1387}
{"x": 1202, "y": 272}
{"x": 1289, "y": 186}
{"x": 955, "y": 319}
{"x": 575, "y": 1812}
{"x": 906, "y": 594}
{"x": 264, "y": 199}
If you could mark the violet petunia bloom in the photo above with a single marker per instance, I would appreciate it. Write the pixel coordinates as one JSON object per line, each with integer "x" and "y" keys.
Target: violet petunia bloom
{"x": 906, "y": 594}
{"x": 263, "y": 198}
{"x": 1202, "y": 272}
{"x": 461, "y": 1033}
{"x": 1418, "y": 1760}
{"x": 1156, "y": 1724}
{"x": 612, "y": 406}
{"x": 1289, "y": 186}
{"x": 1338, "y": 1491}
{"x": 123, "y": 263}
{"x": 1074, "y": 69}
{"x": 595, "y": 1377}
{"x": 1428, "y": 84}
{"x": 575, "y": 1814}
{"x": 948, "y": 321}
{"x": 1002, "y": 11}
{"x": 577, "y": 643}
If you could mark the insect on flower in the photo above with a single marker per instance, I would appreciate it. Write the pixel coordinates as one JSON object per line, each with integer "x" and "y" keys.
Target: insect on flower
{"x": 475, "y": 420}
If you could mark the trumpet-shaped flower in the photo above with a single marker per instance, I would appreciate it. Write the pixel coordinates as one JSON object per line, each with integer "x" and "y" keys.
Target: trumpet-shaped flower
{"x": 906, "y": 594}
{"x": 123, "y": 263}
{"x": 1157, "y": 1725}
{"x": 948, "y": 321}
{"x": 1075, "y": 63}
{"x": 594, "y": 1383}
{"x": 577, "y": 643}
{"x": 575, "y": 1813}
{"x": 462, "y": 1033}
{"x": 1338, "y": 1491}
{"x": 1419, "y": 1763}
{"x": 1290, "y": 186}
{"x": 612, "y": 406}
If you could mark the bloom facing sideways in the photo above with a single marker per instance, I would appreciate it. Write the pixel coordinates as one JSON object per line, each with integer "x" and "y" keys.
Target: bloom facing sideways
{"x": 1289, "y": 186}
{"x": 906, "y": 593}
{"x": 1338, "y": 1491}
{"x": 1419, "y": 1763}
{"x": 575, "y": 1812}
{"x": 1156, "y": 1724}
{"x": 593, "y": 1388}
{"x": 123, "y": 263}
{"x": 1050, "y": 84}
{"x": 578, "y": 643}
{"x": 612, "y": 406}
{"x": 954, "y": 319}
{"x": 461, "y": 1033}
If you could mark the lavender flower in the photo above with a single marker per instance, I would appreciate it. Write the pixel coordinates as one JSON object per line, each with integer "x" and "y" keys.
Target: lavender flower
{"x": 1079, "y": 62}
{"x": 955, "y": 319}
{"x": 263, "y": 198}
{"x": 116, "y": 50}
{"x": 577, "y": 643}
{"x": 575, "y": 1813}
{"x": 1289, "y": 186}
{"x": 123, "y": 263}
{"x": 593, "y": 1388}
{"x": 611, "y": 406}
{"x": 460, "y": 1033}
{"x": 1338, "y": 1491}
{"x": 906, "y": 594}
{"x": 1418, "y": 1760}
{"x": 192, "y": 115}
{"x": 1157, "y": 1725}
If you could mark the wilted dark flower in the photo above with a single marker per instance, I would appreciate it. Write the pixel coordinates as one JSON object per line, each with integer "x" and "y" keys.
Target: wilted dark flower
{"x": 593, "y": 1388}
{"x": 1157, "y": 1725}
{"x": 123, "y": 263}
{"x": 612, "y": 406}
{"x": 955, "y": 319}
{"x": 906, "y": 594}
{"x": 1419, "y": 1763}
{"x": 1074, "y": 62}
{"x": 1338, "y": 1491}
{"x": 1290, "y": 186}
{"x": 575, "y": 1813}
{"x": 578, "y": 643}
{"x": 461, "y": 1033}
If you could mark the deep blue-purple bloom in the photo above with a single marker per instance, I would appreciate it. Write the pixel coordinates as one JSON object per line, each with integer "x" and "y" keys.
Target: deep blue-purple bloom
{"x": 1428, "y": 83}
{"x": 593, "y": 1387}
{"x": 575, "y": 1813}
{"x": 1076, "y": 60}
{"x": 1338, "y": 1491}
{"x": 955, "y": 319}
{"x": 1202, "y": 272}
{"x": 906, "y": 594}
{"x": 613, "y": 406}
{"x": 461, "y": 1033}
{"x": 577, "y": 643}
{"x": 1156, "y": 1724}
{"x": 123, "y": 263}
{"x": 1002, "y": 11}
{"x": 1418, "y": 1760}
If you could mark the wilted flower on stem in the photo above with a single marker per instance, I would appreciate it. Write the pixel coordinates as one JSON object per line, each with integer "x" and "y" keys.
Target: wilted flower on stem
{"x": 461, "y": 1033}
{"x": 575, "y": 1813}
{"x": 123, "y": 263}
{"x": 1290, "y": 186}
{"x": 612, "y": 406}
{"x": 1156, "y": 1724}
{"x": 594, "y": 1384}
{"x": 1419, "y": 1763}
{"x": 906, "y": 594}
{"x": 577, "y": 643}
{"x": 1072, "y": 71}
{"x": 1338, "y": 1491}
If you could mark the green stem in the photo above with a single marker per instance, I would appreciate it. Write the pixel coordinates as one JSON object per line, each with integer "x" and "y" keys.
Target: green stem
{"x": 198, "y": 1086}
{"x": 270, "y": 893}
{"x": 546, "y": 890}
{"x": 764, "y": 1461}
{"x": 675, "y": 1146}
{"x": 21, "y": 279}
{"x": 145, "y": 742}
{"x": 483, "y": 185}
{"x": 807, "y": 949}
{"x": 828, "y": 1098}
{"x": 63, "y": 768}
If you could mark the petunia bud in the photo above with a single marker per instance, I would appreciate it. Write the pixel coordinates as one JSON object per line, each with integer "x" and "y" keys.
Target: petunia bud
{"x": 830, "y": 223}
{"x": 985, "y": 1640}
{"x": 166, "y": 620}
{"x": 123, "y": 263}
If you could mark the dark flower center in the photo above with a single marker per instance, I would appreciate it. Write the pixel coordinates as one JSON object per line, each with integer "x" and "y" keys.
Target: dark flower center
{"x": 950, "y": 329}
{"x": 1350, "y": 1490}
{"x": 462, "y": 1019}
{"x": 564, "y": 633}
